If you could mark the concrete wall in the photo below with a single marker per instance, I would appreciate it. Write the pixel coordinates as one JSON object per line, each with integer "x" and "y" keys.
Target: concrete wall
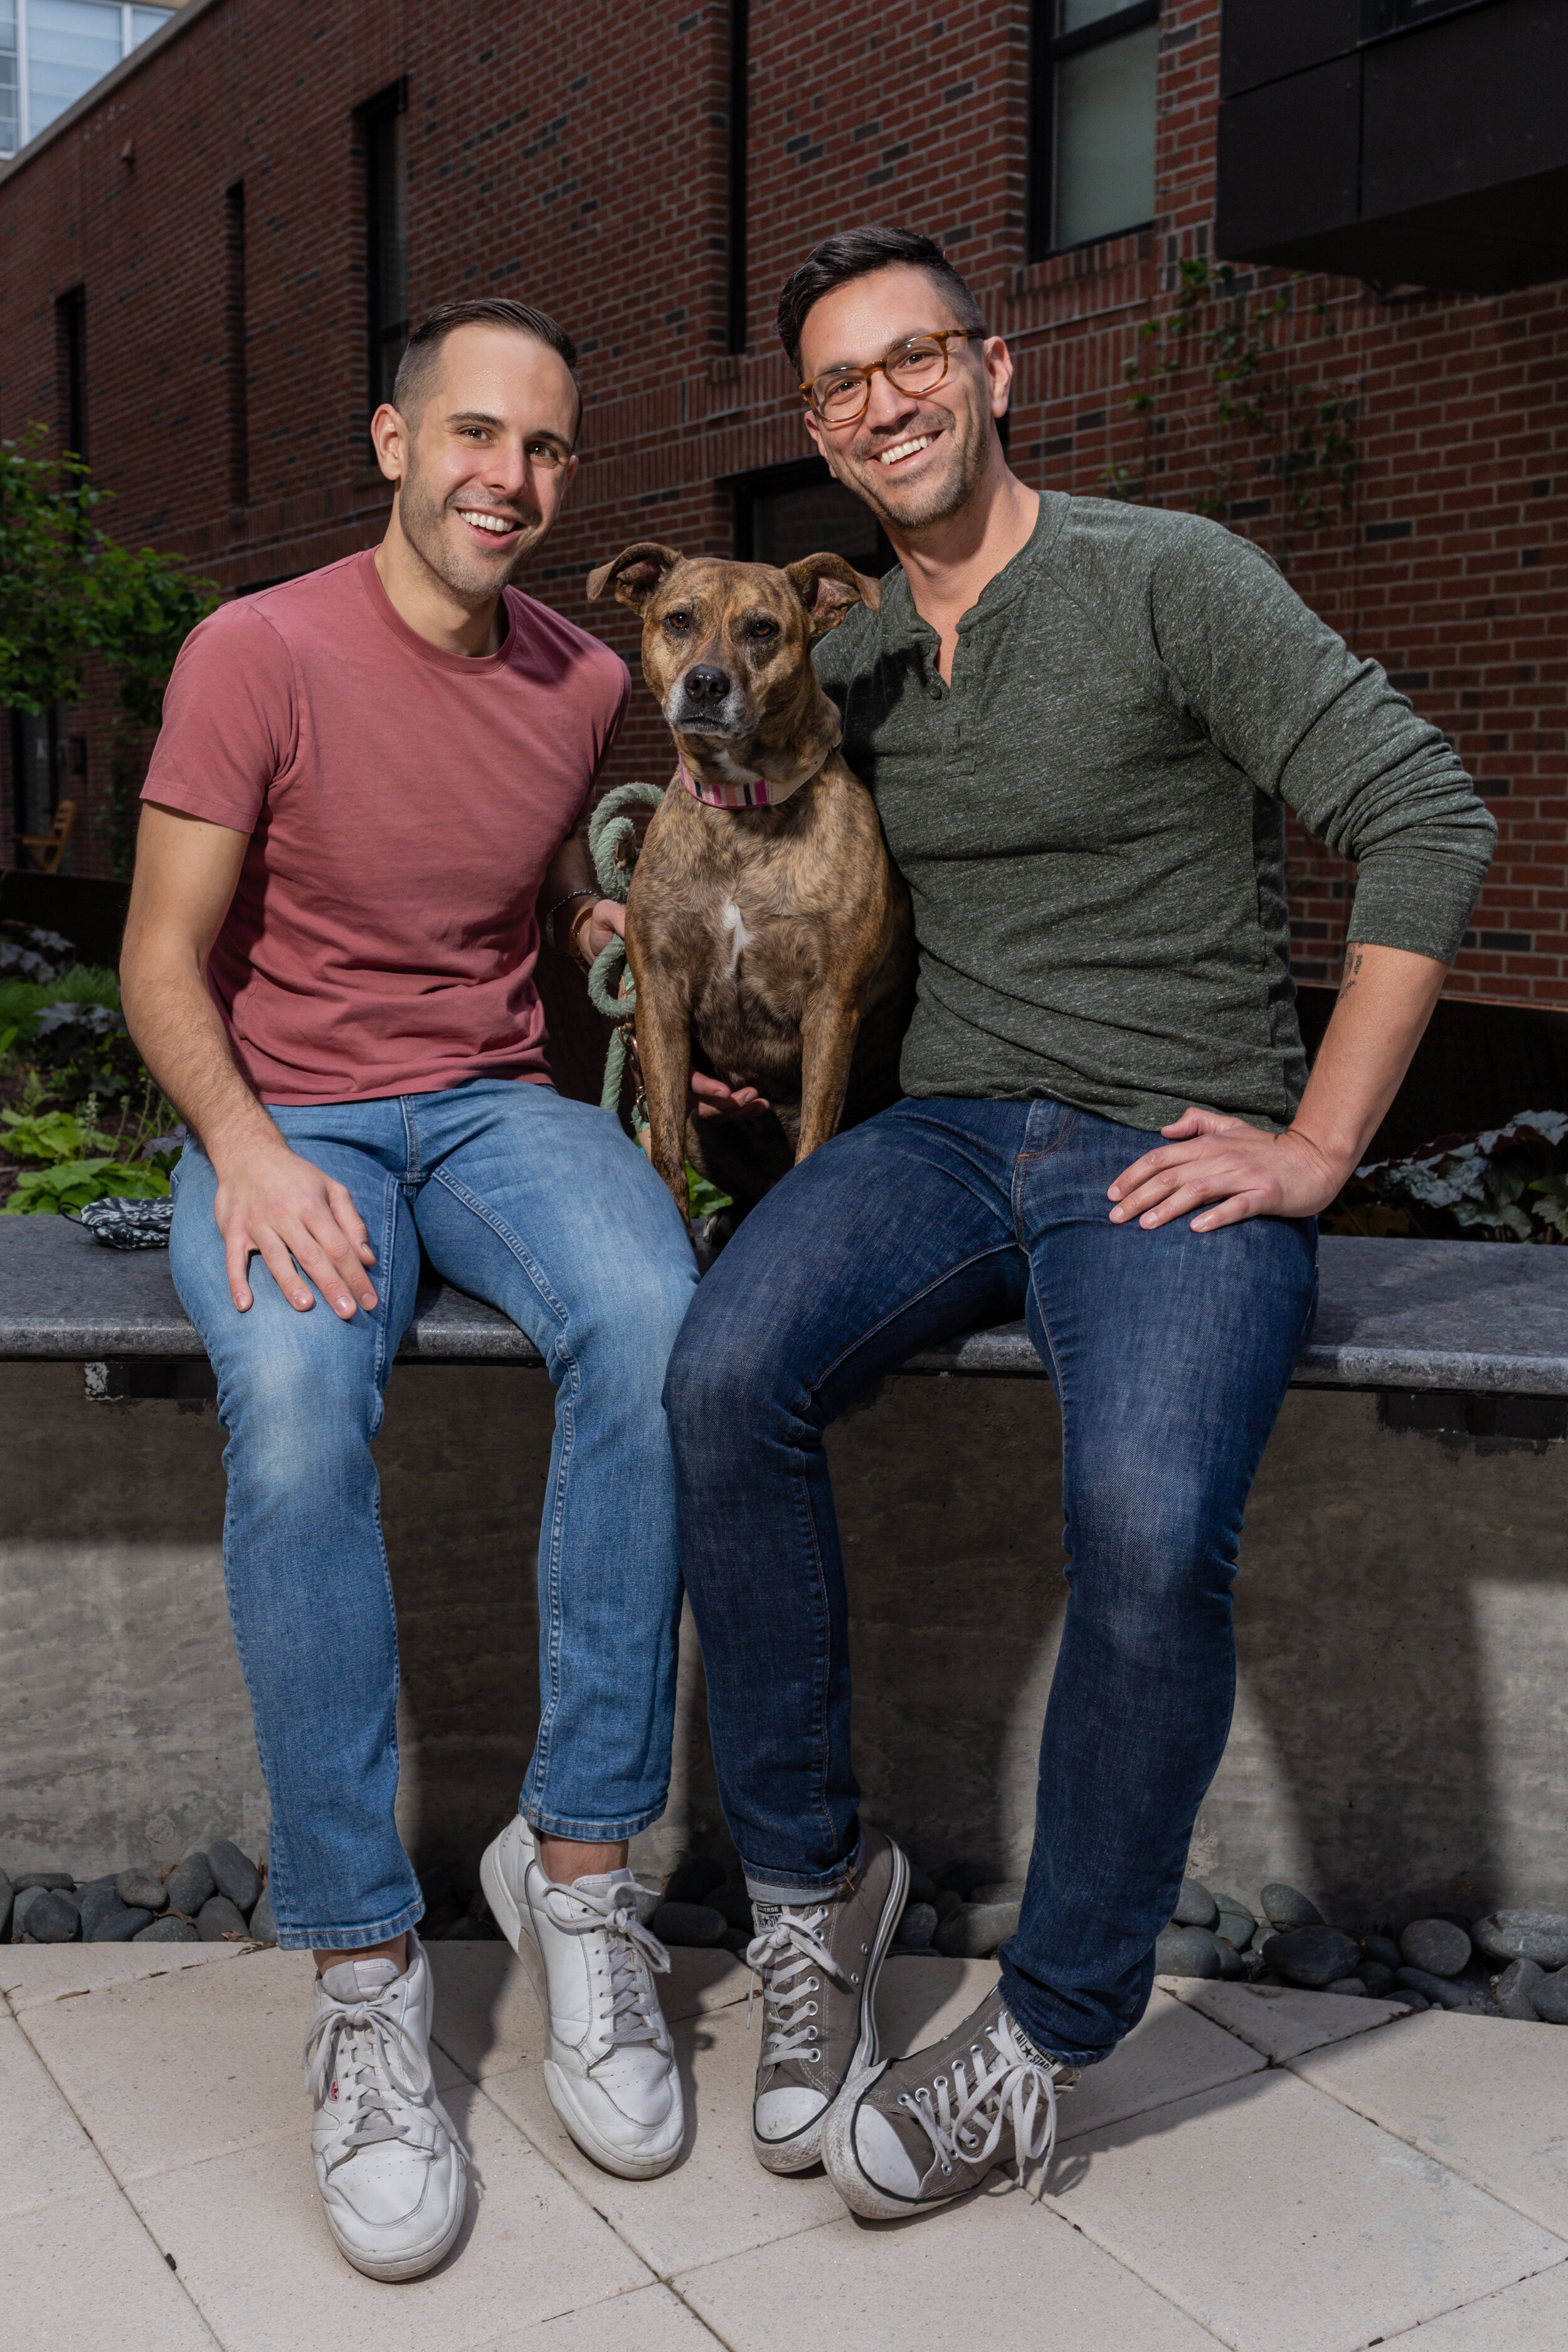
{"x": 1401, "y": 1613}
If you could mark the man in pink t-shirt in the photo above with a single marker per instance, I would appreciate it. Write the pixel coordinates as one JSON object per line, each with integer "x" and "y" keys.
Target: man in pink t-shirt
{"x": 359, "y": 810}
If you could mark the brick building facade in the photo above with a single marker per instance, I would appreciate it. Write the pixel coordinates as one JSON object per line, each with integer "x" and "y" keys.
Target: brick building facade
{"x": 232, "y": 204}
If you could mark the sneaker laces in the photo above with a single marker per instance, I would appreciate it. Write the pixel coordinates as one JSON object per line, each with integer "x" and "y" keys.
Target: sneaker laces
{"x": 369, "y": 2074}
{"x": 633, "y": 1949}
{"x": 780, "y": 1956}
{"x": 965, "y": 2122}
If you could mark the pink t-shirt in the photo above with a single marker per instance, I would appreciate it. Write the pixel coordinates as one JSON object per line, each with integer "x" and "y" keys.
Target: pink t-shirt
{"x": 403, "y": 805}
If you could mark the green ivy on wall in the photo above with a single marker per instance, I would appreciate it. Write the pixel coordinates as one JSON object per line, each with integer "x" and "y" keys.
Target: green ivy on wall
{"x": 1293, "y": 433}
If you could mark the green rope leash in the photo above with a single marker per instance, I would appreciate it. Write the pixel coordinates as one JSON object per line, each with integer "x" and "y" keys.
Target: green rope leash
{"x": 612, "y": 843}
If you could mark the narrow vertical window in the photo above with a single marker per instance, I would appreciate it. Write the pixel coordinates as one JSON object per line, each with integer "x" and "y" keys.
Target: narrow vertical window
{"x": 386, "y": 236}
{"x": 10, "y": 81}
{"x": 70, "y": 367}
{"x": 1093, "y": 127}
{"x": 740, "y": 62}
{"x": 235, "y": 358}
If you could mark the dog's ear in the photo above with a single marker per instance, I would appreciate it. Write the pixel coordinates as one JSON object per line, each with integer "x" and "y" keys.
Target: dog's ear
{"x": 827, "y": 585}
{"x": 636, "y": 572}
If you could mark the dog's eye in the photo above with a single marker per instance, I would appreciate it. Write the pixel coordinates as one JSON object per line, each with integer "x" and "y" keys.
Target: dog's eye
{"x": 762, "y": 633}
{"x": 677, "y": 620}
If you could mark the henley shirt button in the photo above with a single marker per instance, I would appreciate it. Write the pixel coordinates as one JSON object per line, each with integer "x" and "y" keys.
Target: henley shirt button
{"x": 934, "y": 691}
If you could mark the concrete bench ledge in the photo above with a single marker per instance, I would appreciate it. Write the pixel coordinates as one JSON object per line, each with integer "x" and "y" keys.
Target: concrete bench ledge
{"x": 1394, "y": 1314}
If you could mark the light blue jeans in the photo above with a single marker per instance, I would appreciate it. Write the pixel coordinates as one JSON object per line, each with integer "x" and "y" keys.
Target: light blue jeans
{"x": 542, "y": 1207}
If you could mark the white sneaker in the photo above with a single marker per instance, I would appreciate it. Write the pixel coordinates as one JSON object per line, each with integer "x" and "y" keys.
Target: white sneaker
{"x": 611, "y": 2072}
{"x": 390, "y": 2167}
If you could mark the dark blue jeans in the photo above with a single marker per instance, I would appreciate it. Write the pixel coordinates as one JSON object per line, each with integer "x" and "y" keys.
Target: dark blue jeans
{"x": 1170, "y": 1352}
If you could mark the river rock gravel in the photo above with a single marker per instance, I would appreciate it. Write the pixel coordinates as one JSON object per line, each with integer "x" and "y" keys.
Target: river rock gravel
{"x": 1437, "y": 1946}
{"x": 1538, "y": 1935}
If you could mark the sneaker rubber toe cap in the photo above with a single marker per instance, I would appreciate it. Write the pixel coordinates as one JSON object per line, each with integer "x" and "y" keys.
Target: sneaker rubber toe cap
{"x": 882, "y": 2156}
{"x": 779, "y": 2114}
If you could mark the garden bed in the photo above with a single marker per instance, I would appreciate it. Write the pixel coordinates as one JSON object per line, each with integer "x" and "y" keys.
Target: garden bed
{"x": 80, "y": 1118}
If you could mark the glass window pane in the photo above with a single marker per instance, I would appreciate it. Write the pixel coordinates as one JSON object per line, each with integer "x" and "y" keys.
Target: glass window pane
{"x": 146, "y": 20}
{"x": 10, "y": 125}
{"x": 1105, "y": 138}
{"x": 1074, "y": 15}
{"x": 71, "y": 44}
{"x": 388, "y": 255}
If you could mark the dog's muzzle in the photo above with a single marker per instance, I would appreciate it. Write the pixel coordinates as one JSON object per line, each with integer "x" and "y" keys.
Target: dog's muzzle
{"x": 708, "y": 701}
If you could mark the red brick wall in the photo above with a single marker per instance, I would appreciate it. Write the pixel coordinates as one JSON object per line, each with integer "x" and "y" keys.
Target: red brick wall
{"x": 581, "y": 161}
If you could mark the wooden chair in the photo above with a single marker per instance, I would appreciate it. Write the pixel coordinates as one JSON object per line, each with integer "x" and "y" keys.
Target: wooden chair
{"x": 48, "y": 848}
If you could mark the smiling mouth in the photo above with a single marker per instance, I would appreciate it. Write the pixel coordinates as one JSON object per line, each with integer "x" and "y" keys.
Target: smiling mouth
{"x": 490, "y": 526}
{"x": 901, "y": 449}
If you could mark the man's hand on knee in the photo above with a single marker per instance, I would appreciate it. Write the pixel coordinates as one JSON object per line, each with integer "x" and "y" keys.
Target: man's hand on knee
{"x": 303, "y": 1222}
{"x": 1230, "y": 1170}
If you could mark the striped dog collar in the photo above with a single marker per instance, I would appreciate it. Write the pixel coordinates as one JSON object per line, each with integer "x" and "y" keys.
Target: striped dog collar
{"x": 752, "y": 792}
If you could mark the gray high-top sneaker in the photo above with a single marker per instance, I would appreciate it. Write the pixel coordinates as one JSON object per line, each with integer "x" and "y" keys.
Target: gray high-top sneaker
{"x": 611, "y": 2073}
{"x": 390, "y": 2167}
{"x": 930, "y": 2127}
{"x": 818, "y": 1960}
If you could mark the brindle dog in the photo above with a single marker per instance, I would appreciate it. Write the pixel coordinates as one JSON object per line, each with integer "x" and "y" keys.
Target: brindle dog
{"x": 772, "y": 945}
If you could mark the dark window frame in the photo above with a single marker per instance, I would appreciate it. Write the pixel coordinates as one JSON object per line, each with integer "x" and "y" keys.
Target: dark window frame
{"x": 1048, "y": 50}
{"x": 1381, "y": 19}
{"x": 776, "y": 481}
{"x": 735, "y": 273}
{"x": 71, "y": 357}
{"x": 236, "y": 354}
{"x": 389, "y": 106}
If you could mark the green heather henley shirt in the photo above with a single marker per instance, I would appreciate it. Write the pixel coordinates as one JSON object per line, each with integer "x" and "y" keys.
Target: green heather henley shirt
{"x": 1091, "y": 818}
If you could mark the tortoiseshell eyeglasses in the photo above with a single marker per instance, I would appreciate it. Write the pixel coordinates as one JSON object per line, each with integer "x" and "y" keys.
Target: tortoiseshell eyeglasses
{"x": 841, "y": 395}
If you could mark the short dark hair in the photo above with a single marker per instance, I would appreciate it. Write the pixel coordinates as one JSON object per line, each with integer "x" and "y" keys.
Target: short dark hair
{"x": 417, "y": 365}
{"x": 856, "y": 253}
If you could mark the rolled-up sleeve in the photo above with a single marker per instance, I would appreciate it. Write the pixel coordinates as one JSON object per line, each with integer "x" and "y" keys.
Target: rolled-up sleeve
{"x": 1317, "y": 726}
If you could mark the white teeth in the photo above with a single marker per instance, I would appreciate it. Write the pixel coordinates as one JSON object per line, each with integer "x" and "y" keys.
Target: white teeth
{"x": 485, "y": 522}
{"x": 904, "y": 449}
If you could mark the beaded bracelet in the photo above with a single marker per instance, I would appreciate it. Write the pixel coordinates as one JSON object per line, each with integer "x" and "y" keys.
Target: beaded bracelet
{"x": 548, "y": 925}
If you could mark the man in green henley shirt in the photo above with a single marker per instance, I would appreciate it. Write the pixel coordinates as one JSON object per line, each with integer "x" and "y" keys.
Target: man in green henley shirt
{"x": 1082, "y": 722}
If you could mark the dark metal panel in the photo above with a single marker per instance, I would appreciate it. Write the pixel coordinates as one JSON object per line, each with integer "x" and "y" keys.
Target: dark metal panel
{"x": 1288, "y": 159}
{"x": 1262, "y": 39}
{"x": 1473, "y": 103}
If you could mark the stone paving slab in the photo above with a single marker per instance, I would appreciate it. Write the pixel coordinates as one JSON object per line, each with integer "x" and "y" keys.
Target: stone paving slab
{"x": 84, "y": 2276}
{"x": 1411, "y": 2176}
{"x": 172, "y": 2070}
{"x": 650, "y": 2319}
{"x": 44, "y": 2155}
{"x": 32, "y": 1974}
{"x": 1171, "y": 2054}
{"x": 1530, "y": 2317}
{"x": 1486, "y": 2097}
{"x": 255, "y": 2255}
{"x": 716, "y": 2200}
{"x": 1001, "y": 2271}
{"x": 1283, "y": 2224}
{"x": 1278, "y": 2021}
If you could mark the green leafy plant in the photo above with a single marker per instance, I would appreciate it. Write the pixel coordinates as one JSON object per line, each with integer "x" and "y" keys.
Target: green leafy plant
{"x": 54, "y": 1136}
{"x": 1506, "y": 1184}
{"x": 68, "y": 589}
{"x": 82, "y": 1162}
{"x": 705, "y": 1197}
{"x": 75, "y": 1184}
{"x": 1297, "y": 429}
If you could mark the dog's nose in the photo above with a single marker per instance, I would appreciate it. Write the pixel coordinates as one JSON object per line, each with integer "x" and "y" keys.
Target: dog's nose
{"x": 704, "y": 683}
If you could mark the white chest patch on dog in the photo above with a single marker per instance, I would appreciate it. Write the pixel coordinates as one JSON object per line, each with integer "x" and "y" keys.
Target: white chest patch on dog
{"x": 739, "y": 937}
